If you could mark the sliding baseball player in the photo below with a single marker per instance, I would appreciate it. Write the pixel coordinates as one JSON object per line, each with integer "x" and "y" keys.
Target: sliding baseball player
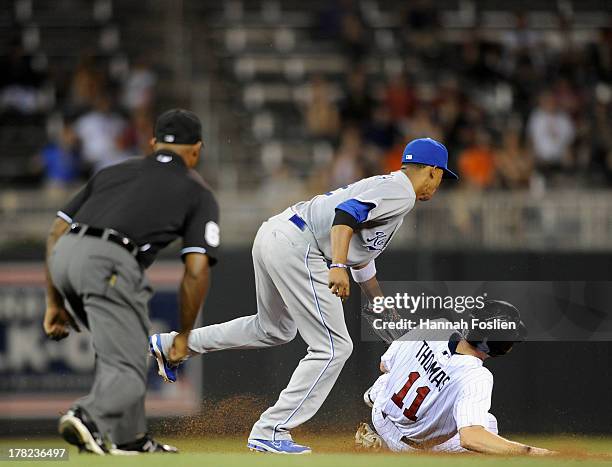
{"x": 436, "y": 394}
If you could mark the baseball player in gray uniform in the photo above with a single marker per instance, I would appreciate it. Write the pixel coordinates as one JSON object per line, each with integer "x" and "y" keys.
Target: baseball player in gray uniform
{"x": 301, "y": 259}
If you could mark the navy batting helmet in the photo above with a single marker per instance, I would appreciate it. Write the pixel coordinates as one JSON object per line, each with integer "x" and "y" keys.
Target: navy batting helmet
{"x": 495, "y": 328}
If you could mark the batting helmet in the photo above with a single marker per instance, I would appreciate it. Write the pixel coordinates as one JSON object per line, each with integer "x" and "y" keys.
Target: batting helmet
{"x": 492, "y": 332}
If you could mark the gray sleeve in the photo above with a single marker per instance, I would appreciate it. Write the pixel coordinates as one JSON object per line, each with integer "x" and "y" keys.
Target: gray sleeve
{"x": 388, "y": 198}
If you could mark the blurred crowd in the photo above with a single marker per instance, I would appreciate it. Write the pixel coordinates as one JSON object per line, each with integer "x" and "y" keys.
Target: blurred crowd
{"x": 93, "y": 115}
{"x": 528, "y": 109}
{"x": 521, "y": 107}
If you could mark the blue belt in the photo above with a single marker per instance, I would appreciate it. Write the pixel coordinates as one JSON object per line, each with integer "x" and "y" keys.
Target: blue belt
{"x": 298, "y": 221}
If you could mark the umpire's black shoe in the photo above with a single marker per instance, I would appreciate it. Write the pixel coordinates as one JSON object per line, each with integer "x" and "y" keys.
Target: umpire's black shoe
{"x": 146, "y": 444}
{"x": 77, "y": 428}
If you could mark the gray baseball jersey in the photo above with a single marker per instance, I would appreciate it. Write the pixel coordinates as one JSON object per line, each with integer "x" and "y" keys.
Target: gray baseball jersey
{"x": 380, "y": 204}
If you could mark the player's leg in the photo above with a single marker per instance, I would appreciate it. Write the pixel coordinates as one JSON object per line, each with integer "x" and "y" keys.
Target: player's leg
{"x": 270, "y": 326}
{"x": 492, "y": 427}
{"x": 300, "y": 275}
{"x": 76, "y": 427}
{"x": 367, "y": 438}
{"x": 370, "y": 395}
{"x": 114, "y": 295}
{"x": 454, "y": 444}
{"x": 133, "y": 420}
{"x": 389, "y": 432}
{"x": 120, "y": 342}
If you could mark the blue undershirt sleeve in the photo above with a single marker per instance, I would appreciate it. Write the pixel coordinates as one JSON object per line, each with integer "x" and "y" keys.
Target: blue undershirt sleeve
{"x": 357, "y": 209}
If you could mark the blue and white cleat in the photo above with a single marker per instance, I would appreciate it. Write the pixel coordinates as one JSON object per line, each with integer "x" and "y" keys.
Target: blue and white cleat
{"x": 285, "y": 446}
{"x": 164, "y": 369}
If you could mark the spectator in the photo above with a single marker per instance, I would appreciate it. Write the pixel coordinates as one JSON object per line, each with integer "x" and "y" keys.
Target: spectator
{"x": 356, "y": 107}
{"x": 87, "y": 84}
{"x": 421, "y": 15}
{"x": 514, "y": 163}
{"x": 136, "y": 139}
{"x": 346, "y": 167}
{"x": 100, "y": 132}
{"x": 322, "y": 118}
{"x": 566, "y": 97}
{"x": 520, "y": 41}
{"x": 421, "y": 28}
{"x": 599, "y": 136}
{"x": 450, "y": 107}
{"x": 551, "y": 133}
{"x": 139, "y": 87}
{"x": 477, "y": 163}
{"x": 399, "y": 97}
{"x": 381, "y": 131}
{"x": 353, "y": 38}
{"x": 600, "y": 56}
{"x": 331, "y": 17}
{"x": 392, "y": 159}
{"x": 422, "y": 125}
{"x": 21, "y": 83}
{"x": 522, "y": 81}
{"x": 60, "y": 160}
{"x": 481, "y": 63}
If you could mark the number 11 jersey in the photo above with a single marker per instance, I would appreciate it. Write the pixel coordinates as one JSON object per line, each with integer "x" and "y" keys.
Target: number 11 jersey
{"x": 431, "y": 391}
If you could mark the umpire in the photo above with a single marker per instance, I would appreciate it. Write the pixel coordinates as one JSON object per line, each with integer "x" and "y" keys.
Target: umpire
{"x": 97, "y": 250}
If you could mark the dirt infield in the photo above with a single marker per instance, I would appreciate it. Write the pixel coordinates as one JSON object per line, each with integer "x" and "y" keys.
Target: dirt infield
{"x": 217, "y": 436}
{"x": 227, "y": 417}
{"x": 222, "y": 427}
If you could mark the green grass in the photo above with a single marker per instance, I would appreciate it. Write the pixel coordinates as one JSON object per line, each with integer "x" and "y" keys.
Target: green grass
{"x": 330, "y": 451}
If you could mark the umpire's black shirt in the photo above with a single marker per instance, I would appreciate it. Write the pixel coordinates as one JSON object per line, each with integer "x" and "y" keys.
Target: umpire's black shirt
{"x": 152, "y": 200}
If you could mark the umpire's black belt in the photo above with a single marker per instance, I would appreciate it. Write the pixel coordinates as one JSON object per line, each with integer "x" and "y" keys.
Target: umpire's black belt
{"x": 110, "y": 235}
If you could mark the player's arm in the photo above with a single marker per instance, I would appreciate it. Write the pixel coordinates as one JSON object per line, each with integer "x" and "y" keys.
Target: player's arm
{"x": 365, "y": 276}
{"x": 476, "y": 438}
{"x": 338, "y": 282}
{"x": 192, "y": 294}
{"x": 201, "y": 238}
{"x": 471, "y": 412}
{"x": 56, "y": 322}
{"x": 349, "y": 215}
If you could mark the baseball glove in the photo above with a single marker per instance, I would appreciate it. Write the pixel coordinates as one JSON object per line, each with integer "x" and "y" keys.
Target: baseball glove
{"x": 367, "y": 439}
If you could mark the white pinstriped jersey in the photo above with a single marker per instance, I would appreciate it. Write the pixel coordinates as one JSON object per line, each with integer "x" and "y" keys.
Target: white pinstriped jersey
{"x": 430, "y": 393}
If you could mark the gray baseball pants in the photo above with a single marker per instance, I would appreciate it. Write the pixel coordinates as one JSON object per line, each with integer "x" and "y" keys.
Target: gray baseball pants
{"x": 104, "y": 286}
{"x": 291, "y": 278}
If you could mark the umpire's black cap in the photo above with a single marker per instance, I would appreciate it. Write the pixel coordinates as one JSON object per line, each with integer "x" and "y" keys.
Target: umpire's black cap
{"x": 178, "y": 126}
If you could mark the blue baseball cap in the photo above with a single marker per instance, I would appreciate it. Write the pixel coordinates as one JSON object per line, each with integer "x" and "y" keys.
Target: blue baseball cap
{"x": 428, "y": 151}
